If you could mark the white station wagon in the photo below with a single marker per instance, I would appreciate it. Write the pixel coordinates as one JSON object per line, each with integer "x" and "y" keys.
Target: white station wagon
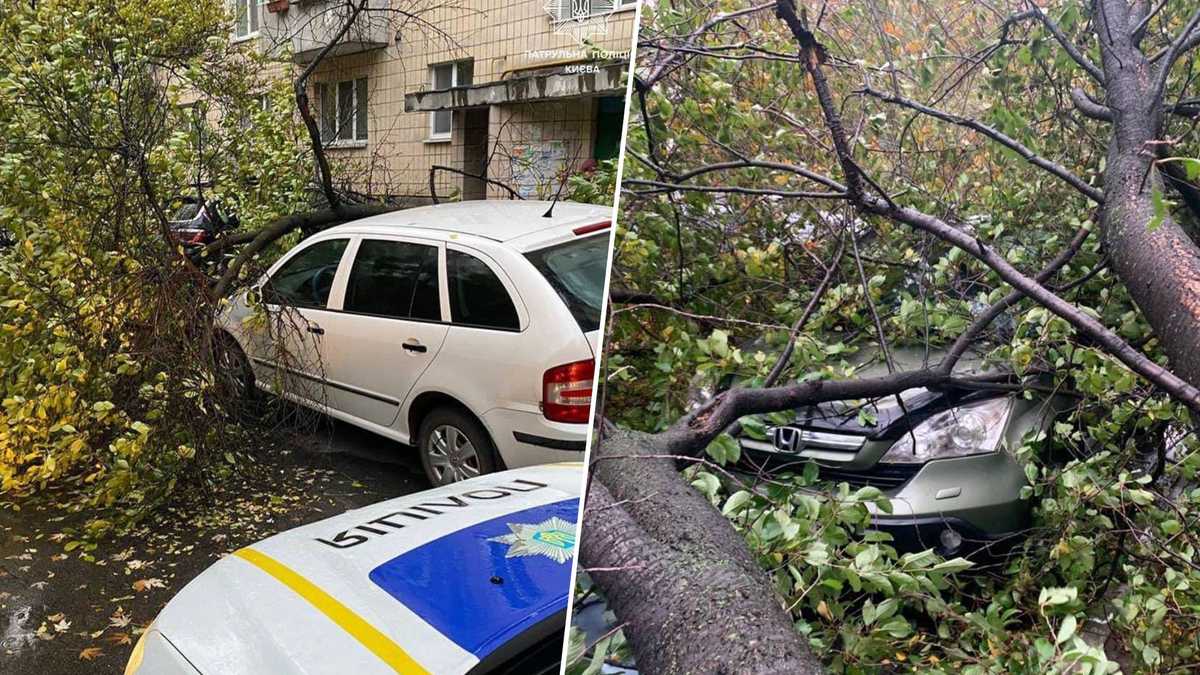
{"x": 468, "y": 330}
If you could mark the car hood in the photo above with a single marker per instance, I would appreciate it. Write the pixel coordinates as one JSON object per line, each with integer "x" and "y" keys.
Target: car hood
{"x": 431, "y": 582}
{"x": 890, "y": 415}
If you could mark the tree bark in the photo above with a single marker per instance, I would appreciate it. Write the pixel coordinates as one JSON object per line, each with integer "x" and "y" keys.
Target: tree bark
{"x": 1159, "y": 265}
{"x": 692, "y": 597}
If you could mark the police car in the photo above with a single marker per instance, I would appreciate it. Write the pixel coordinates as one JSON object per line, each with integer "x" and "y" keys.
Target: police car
{"x": 472, "y": 577}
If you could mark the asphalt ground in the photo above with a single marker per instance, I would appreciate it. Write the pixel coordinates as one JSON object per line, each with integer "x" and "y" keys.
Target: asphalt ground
{"x": 63, "y": 613}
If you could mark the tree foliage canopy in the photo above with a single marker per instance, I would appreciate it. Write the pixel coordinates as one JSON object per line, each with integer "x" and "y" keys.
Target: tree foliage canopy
{"x": 108, "y": 112}
{"x": 737, "y": 201}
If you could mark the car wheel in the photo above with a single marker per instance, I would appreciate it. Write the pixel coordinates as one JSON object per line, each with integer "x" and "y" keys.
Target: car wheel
{"x": 454, "y": 447}
{"x": 235, "y": 376}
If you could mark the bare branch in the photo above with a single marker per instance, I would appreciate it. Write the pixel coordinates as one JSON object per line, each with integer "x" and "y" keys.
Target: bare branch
{"x": 1089, "y": 106}
{"x": 1088, "y": 326}
{"x": 1179, "y": 46}
{"x": 672, "y": 60}
{"x": 1068, "y": 46}
{"x": 310, "y": 124}
{"x": 1016, "y": 146}
{"x": 981, "y": 322}
{"x": 512, "y": 194}
{"x": 660, "y": 187}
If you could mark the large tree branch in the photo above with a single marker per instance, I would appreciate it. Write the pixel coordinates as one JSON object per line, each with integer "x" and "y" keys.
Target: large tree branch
{"x": 1030, "y": 156}
{"x": 814, "y": 56}
{"x": 278, "y": 228}
{"x": 1083, "y": 322}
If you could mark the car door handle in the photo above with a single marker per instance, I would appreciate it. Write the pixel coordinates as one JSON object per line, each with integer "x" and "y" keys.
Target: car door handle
{"x": 315, "y": 329}
{"x": 415, "y": 347}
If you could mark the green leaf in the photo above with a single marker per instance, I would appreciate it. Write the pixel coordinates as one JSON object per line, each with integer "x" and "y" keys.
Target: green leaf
{"x": 754, "y": 427}
{"x": 736, "y": 501}
{"x": 952, "y": 566}
{"x": 1066, "y": 630}
{"x": 1057, "y": 596}
{"x": 898, "y": 628}
{"x": 724, "y": 449}
{"x": 1160, "y": 210}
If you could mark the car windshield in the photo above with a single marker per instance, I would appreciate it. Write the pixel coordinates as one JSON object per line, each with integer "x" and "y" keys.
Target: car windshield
{"x": 576, "y": 270}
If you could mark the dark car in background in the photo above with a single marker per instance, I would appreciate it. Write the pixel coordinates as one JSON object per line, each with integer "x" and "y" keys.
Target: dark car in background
{"x": 197, "y": 222}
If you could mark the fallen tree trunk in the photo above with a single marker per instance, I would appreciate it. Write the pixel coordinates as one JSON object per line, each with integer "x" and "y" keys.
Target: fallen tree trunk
{"x": 692, "y": 597}
{"x": 1154, "y": 257}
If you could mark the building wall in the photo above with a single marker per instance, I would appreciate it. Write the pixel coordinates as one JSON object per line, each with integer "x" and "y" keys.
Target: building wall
{"x": 505, "y": 39}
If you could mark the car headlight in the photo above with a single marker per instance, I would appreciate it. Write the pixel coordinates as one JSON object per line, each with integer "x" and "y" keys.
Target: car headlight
{"x": 971, "y": 429}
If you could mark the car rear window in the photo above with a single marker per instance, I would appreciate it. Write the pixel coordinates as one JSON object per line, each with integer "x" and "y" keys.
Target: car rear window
{"x": 576, "y": 271}
{"x": 187, "y": 212}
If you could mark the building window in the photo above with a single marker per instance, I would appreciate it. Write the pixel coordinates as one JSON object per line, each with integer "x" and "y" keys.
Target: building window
{"x": 447, "y": 76}
{"x": 246, "y": 17}
{"x": 343, "y": 110}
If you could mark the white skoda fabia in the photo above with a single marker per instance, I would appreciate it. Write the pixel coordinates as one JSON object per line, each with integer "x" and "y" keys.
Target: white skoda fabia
{"x": 468, "y": 330}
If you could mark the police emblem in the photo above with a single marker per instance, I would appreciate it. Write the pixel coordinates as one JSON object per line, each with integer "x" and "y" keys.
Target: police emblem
{"x": 553, "y": 538}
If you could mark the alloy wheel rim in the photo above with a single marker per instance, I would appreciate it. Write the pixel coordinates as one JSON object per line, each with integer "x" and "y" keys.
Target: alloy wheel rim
{"x": 231, "y": 371}
{"x": 452, "y": 456}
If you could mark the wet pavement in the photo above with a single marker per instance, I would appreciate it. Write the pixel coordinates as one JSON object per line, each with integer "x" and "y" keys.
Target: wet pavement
{"x": 81, "y": 611}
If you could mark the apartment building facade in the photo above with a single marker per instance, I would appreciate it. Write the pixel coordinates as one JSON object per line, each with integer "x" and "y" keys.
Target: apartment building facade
{"x": 499, "y": 94}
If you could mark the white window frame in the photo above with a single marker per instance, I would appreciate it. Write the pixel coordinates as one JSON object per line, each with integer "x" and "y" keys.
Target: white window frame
{"x": 253, "y": 18}
{"x": 455, "y": 66}
{"x": 330, "y": 91}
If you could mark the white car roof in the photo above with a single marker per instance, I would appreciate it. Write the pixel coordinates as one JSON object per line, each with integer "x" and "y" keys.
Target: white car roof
{"x": 499, "y": 220}
{"x": 433, "y": 582}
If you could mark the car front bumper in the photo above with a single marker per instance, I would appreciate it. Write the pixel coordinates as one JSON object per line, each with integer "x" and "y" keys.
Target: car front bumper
{"x": 976, "y": 498}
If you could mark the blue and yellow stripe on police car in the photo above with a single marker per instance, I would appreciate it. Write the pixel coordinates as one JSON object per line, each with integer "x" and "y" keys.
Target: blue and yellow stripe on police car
{"x": 370, "y": 637}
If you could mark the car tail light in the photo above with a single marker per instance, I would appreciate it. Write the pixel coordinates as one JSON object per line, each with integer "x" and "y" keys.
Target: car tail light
{"x": 190, "y": 236}
{"x": 567, "y": 392}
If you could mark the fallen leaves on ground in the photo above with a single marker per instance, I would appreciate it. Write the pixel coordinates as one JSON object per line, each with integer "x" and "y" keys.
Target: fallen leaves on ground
{"x": 146, "y": 584}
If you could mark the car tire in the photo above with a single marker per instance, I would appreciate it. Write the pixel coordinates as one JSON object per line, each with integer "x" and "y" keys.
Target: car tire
{"x": 454, "y": 446}
{"x": 233, "y": 367}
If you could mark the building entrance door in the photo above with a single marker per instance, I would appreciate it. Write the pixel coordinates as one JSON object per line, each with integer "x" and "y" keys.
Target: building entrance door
{"x": 475, "y": 152}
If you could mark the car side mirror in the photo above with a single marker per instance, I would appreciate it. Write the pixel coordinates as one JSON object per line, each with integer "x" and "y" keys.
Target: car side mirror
{"x": 258, "y": 294}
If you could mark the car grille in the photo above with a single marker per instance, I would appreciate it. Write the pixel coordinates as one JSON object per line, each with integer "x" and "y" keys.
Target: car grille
{"x": 789, "y": 439}
{"x": 826, "y": 450}
{"x": 882, "y": 476}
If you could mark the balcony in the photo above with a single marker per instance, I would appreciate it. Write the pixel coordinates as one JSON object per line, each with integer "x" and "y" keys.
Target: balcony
{"x": 309, "y": 25}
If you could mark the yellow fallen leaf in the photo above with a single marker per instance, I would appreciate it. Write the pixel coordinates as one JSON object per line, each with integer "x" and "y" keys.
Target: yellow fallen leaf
{"x": 90, "y": 654}
{"x": 823, "y": 610}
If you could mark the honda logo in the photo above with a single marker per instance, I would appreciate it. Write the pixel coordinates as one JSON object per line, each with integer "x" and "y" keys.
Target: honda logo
{"x": 787, "y": 439}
